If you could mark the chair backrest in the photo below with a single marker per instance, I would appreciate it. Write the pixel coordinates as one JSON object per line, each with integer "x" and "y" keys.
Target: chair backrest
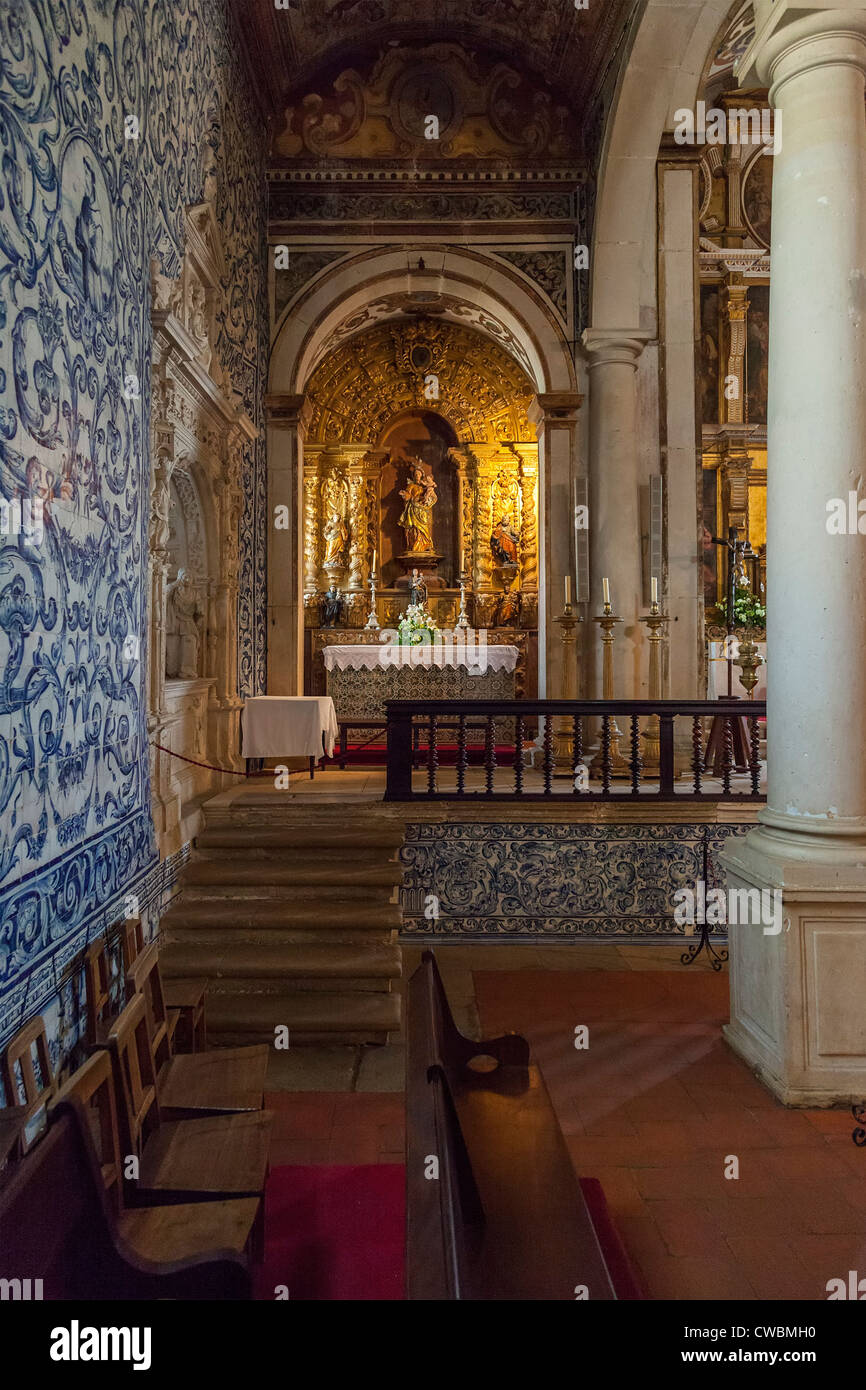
{"x": 144, "y": 978}
{"x": 92, "y": 1086}
{"x": 132, "y": 941}
{"x": 134, "y": 1075}
{"x": 28, "y": 1079}
{"x": 97, "y": 984}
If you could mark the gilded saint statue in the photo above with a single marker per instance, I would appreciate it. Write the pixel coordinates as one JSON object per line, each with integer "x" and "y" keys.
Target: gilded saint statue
{"x": 504, "y": 542}
{"x": 416, "y": 518}
{"x": 336, "y": 542}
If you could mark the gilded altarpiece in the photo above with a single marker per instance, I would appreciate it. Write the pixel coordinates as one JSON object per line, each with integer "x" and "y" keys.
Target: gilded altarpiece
{"x": 409, "y": 388}
{"x": 734, "y": 257}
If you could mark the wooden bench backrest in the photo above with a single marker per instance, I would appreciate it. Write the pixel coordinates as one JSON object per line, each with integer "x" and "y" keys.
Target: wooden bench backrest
{"x": 92, "y": 1086}
{"x": 131, "y": 941}
{"x": 34, "y": 1077}
{"x": 143, "y": 978}
{"x": 134, "y": 1075}
{"x": 97, "y": 987}
{"x": 53, "y": 1224}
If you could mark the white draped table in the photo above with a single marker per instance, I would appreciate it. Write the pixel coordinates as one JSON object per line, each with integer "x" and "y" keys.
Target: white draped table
{"x": 289, "y": 726}
{"x": 477, "y": 658}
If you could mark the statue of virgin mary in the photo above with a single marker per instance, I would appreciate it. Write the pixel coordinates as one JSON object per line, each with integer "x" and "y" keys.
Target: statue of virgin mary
{"x": 416, "y": 518}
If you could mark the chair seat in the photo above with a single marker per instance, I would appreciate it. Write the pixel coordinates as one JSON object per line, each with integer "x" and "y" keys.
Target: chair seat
{"x": 189, "y": 1230}
{"x": 220, "y": 1082}
{"x": 183, "y": 994}
{"x": 220, "y": 1156}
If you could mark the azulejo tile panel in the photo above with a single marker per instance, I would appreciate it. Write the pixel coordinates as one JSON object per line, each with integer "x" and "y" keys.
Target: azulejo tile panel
{"x": 116, "y": 116}
{"x": 528, "y": 880}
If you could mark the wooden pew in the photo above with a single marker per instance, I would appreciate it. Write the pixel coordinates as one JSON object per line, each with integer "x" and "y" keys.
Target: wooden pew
{"x": 225, "y": 1081}
{"x": 56, "y": 1225}
{"x": 183, "y": 1160}
{"x": 506, "y": 1218}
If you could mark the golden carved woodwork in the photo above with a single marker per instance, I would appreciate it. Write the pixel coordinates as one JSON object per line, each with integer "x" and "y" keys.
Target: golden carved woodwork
{"x": 482, "y": 111}
{"x": 468, "y": 380}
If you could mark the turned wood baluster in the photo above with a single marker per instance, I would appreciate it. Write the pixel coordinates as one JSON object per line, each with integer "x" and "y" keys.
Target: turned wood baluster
{"x": 490, "y": 753}
{"x": 547, "y": 745}
{"x": 605, "y": 753}
{"x": 728, "y": 761}
{"x": 635, "y": 756}
{"x": 754, "y": 754}
{"x": 697, "y": 751}
{"x": 518, "y": 756}
{"x": 432, "y": 753}
{"x": 577, "y": 765}
{"x": 461, "y": 755}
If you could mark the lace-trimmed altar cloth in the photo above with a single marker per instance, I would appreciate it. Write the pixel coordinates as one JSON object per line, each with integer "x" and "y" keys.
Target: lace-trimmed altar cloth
{"x": 474, "y": 656}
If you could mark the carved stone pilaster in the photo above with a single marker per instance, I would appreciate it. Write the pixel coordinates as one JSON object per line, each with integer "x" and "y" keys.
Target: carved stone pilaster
{"x": 735, "y": 299}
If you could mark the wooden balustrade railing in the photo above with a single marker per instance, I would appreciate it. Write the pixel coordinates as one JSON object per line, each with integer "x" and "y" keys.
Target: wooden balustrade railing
{"x": 534, "y": 750}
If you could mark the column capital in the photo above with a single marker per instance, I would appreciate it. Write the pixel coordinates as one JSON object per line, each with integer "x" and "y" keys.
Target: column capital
{"x": 554, "y": 407}
{"x": 285, "y": 411}
{"x": 792, "y": 38}
{"x": 608, "y": 345}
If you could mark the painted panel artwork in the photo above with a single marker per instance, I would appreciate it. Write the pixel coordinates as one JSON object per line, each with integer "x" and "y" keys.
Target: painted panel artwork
{"x": 757, "y": 353}
{"x": 710, "y": 354}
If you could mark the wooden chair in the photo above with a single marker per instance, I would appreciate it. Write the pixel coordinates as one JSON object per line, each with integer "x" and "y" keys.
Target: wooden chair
{"x": 225, "y": 1081}
{"x": 97, "y": 993}
{"x": 181, "y": 1160}
{"x": 57, "y": 1226}
{"x": 166, "y": 1233}
{"x": 28, "y": 1082}
{"x": 131, "y": 941}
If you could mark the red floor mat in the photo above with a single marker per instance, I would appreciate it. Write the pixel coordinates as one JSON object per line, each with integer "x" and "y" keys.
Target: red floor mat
{"x": 334, "y": 1233}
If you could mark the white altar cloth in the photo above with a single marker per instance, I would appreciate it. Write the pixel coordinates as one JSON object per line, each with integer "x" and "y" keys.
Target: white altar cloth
{"x": 289, "y": 726}
{"x": 473, "y": 655}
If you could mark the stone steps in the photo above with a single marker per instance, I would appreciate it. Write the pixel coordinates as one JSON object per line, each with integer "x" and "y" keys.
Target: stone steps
{"x": 311, "y": 1018}
{"x": 278, "y": 871}
{"x": 292, "y": 925}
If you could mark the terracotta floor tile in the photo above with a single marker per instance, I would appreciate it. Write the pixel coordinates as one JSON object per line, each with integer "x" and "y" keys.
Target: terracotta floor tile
{"x": 819, "y": 1208}
{"x": 773, "y": 1268}
{"x": 816, "y": 1162}
{"x": 688, "y": 1228}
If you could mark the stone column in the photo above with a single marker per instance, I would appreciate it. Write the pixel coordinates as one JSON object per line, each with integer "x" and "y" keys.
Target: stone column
{"x": 554, "y": 416}
{"x": 614, "y": 503}
{"x": 797, "y": 1011}
{"x": 286, "y": 417}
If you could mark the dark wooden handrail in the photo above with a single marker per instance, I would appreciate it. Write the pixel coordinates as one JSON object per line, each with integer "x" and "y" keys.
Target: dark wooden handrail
{"x": 430, "y": 716}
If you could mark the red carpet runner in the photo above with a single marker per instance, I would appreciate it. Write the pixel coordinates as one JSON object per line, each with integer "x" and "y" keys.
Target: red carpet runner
{"x": 334, "y": 1234}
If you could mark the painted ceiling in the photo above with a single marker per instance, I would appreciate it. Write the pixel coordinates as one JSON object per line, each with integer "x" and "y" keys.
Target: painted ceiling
{"x": 569, "y": 48}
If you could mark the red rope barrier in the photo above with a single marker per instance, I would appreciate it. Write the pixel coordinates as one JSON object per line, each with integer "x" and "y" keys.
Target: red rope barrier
{"x": 229, "y": 771}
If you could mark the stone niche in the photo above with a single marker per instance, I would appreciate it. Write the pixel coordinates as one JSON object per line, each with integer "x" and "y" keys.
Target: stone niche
{"x": 199, "y": 432}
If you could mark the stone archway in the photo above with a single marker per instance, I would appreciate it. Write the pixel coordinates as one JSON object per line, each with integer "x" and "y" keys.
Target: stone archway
{"x": 476, "y": 294}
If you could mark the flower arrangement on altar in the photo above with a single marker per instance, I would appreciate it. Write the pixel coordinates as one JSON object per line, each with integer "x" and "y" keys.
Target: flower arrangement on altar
{"x": 416, "y": 626}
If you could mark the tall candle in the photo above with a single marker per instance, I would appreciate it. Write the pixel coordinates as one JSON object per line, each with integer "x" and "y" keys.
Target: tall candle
{"x": 374, "y": 562}
{"x": 654, "y": 588}
{"x": 462, "y": 558}
{"x": 567, "y": 590}
{"x": 605, "y": 589}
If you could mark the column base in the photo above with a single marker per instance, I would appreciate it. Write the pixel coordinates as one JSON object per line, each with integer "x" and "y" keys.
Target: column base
{"x": 797, "y": 1005}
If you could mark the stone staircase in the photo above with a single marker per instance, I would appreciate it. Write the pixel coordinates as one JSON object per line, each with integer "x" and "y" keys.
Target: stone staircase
{"x": 293, "y": 923}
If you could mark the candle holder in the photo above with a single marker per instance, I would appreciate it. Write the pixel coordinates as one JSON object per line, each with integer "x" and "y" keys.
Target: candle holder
{"x": 463, "y": 620}
{"x": 563, "y": 733}
{"x": 655, "y": 621}
{"x": 617, "y": 765}
{"x": 372, "y": 623}
{"x": 749, "y": 661}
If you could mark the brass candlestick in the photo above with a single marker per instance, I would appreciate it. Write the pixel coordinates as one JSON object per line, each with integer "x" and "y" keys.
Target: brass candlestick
{"x": 618, "y": 766}
{"x": 655, "y": 621}
{"x": 564, "y": 729}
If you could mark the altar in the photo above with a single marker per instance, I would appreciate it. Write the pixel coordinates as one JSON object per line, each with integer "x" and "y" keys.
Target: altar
{"x": 361, "y": 677}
